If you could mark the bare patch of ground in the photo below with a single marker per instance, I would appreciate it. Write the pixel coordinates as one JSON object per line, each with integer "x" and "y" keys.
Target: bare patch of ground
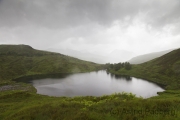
{"x": 16, "y": 87}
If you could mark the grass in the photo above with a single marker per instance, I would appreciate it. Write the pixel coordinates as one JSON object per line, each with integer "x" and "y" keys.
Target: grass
{"x": 17, "y": 105}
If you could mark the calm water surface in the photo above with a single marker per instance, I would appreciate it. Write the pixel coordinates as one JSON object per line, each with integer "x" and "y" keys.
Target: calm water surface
{"x": 94, "y": 84}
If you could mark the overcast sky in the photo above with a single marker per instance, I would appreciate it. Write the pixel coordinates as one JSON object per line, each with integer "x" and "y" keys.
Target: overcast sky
{"x": 96, "y": 26}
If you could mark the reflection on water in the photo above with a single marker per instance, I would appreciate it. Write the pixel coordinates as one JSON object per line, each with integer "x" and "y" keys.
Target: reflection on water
{"x": 28, "y": 79}
{"x": 96, "y": 83}
{"x": 121, "y": 77}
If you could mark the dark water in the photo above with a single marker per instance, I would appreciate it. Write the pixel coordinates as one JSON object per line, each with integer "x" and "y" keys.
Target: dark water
{"x": 94, "y": 84}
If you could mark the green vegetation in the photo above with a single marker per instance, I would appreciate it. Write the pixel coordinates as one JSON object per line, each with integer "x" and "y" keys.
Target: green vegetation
{"x": 22, "y": 60}
{"x": 147, "y": 57}
{"x": 19, "y": 105}
{"x": 19, "y": 101}
{"x": 118, "y": 66}
{"x": 164, "y": 70}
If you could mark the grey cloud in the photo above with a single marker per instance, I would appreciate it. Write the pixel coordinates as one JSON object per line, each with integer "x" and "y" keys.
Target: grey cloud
{"x": 163, "y": 12}
{"x": 88, "y": 24}
{"x": 30, "y": 12}
{"x": 71, "y": 13}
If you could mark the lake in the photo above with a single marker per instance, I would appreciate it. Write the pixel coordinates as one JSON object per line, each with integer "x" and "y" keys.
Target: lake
{"x": 94, "y": 84}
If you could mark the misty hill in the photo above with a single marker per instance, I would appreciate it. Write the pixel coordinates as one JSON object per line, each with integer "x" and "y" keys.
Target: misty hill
{"x": 81, "y": 55}
{"x": 147, "y": 57}
{"x": 164, "y": 70}
{"x": 115, "y": 56}
{"x": 20, "y": 60}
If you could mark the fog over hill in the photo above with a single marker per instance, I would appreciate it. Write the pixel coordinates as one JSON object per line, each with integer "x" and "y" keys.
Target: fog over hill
{"x": 84, "y": 55}
{"x": 96, "y": 26}
{"x": 147, "y": 57}
{"x": 115, "y": 56}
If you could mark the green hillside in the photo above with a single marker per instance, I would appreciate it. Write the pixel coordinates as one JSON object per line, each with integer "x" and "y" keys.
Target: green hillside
{"x": 164, "y": 70}
{"x": 23, "y": 60}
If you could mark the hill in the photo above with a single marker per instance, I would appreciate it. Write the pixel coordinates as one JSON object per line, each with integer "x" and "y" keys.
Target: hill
{"x": 147, "y": 57}
{"x": 113, "y": 57}
{"x": 83, "y": 55}
{"x": 23, "y": 60}
{"x": 164, "y": 70}
{"x": 117, "y": 56}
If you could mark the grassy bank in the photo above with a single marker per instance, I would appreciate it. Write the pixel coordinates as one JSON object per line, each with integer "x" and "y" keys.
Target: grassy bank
{"x": 17, "y": 105}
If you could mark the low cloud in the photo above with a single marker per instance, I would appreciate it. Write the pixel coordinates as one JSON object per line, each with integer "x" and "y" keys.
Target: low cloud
{"x": 96, "y": 26}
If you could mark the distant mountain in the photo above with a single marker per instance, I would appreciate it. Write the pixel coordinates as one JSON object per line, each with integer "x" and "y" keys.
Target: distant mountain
{"x": 115, "y": 56}
{"x": 81, "y": 55}
{"x": 147, "y": 57}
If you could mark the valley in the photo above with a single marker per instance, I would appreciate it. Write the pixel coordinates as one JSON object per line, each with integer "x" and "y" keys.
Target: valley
{"x": 20, "y": 100}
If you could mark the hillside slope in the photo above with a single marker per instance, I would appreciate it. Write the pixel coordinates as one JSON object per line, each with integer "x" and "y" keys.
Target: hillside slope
{"x": 83, "y": 55}
{"x": 164, "y": 70}
{"x": 20, "y": 60}
{"x": 147, "y": 57}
